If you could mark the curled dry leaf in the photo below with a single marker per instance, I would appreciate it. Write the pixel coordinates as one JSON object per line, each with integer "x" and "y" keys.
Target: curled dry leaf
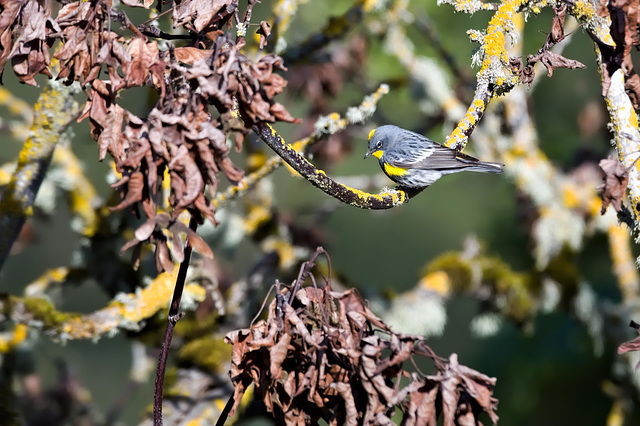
{"x": 143, "y": 56}
{"x": 614, "y": 186}
{"x": 135, "y": 186}
{"x": 552, "y": 60}
{"x": 324, "y": 356}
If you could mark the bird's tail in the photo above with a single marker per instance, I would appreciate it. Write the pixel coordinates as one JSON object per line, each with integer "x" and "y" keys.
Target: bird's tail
{"x": 485, "y": 167}
{"x": 472, "y": 164}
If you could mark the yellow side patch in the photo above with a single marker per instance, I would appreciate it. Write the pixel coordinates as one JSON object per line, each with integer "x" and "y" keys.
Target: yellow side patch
{"x": 393, "y": 170}
{"x": 377, "y": 154}
{"x": 371, "y": 134}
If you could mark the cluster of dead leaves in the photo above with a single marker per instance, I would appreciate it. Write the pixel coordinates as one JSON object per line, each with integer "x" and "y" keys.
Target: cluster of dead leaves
{"x": 25, "y": 38}
{"x": 547, "y": 57}
{"x": 180, "y": 135}
{"x": 324, "y": 355}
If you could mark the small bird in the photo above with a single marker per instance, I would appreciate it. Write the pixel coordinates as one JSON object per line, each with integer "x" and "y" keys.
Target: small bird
{"x": 414, "y": 161}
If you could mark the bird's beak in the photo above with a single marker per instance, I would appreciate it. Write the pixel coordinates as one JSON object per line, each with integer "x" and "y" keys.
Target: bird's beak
{"x": 367, "y": 154}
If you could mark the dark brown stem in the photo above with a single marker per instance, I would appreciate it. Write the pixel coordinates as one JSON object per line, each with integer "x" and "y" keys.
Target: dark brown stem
{"x": 225, "y": 412}
{"x": 173, "y": 317}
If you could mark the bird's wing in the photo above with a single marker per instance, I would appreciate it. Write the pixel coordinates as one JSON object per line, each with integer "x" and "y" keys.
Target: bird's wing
{"x": 436, "y": 157}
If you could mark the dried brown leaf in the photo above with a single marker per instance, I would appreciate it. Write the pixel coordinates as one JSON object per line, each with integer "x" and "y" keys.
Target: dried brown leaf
{"x": 135, "y": 256}
{"x": 8, "y": 20}
{"x": 278, "y": 354}
{"x": 552, "y": 60}
{"x": 632, "y": 88}
{"x": 232, "y": 173}
{"x": 281, "y": 114}
{"x": 615, "y": 183}
{"x": 557, "y": 26}
{"x": 134, "y": 188}
{"x": 177, "y": 248}
{"x": 190, "y": 55}
{"x": 162, "y": 254}
{"x": 143, "y": 56}
{"x": 144, "y": 231}
{"x": 421, "y": 407}
{"x": 30, "y": 53}
{"x": 195, "y": 240}
{"x": 111, "y": 136}
{"x": 201, "y": 13}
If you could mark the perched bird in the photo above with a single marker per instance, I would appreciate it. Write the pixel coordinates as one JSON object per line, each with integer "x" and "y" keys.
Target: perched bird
{"x": 414, "y": 161}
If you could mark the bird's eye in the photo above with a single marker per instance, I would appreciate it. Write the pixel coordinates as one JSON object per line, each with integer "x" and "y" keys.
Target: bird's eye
{"x": 379, "y": 144}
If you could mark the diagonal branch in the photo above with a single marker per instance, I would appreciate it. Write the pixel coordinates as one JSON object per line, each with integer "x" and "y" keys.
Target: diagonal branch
{"x": 353, "y": 197}
{"x": 55, "y": 109}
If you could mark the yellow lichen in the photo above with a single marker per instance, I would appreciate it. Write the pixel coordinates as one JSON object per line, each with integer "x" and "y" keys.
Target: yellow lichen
{"x": 623, "y": 262}
{"x": 146, "y": 302}
{"x": 570, "y": 197}
{"x": 9, "y": 340}
{"x": 437, "y": 281}
{"x": 257, "y": 215}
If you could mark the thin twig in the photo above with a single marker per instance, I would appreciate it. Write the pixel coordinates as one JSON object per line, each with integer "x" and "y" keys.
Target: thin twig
{"x": 159, "y": 14}
{"x": 173, "y": 317}
{"x": 155, "y": 32}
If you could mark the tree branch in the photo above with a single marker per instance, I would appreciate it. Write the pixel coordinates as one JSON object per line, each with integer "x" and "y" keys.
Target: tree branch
{"x": 55, "y": 109}
{"x": 353, "y": 197}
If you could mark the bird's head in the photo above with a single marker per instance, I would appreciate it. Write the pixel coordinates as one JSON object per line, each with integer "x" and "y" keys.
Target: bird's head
{"x": 378, "y": 140}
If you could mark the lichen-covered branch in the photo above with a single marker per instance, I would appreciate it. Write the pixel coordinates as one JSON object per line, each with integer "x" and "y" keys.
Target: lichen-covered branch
{"x": 126, "y": 311}
{"x": 472, "y": 272}
{"x": 626, "y": 137}
{"x": 54, "y": 110}
{"x": 348, "y": 195}
{"x": 82, "y": 196}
